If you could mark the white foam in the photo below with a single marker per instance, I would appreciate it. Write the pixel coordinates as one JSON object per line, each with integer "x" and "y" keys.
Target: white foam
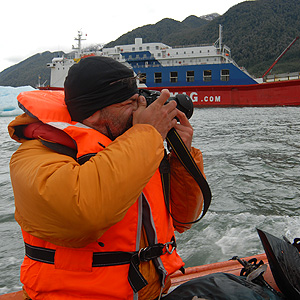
{"x": 220, "y": 236}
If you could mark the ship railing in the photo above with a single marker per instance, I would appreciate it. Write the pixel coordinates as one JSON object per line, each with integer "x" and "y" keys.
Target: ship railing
{"x": 148, "y": 58}
{"x": 282, "y": 77}
{"x": 191, "y": 46}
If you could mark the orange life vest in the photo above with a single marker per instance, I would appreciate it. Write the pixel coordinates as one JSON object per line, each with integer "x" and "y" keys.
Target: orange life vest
{"x": 107, "y": 268}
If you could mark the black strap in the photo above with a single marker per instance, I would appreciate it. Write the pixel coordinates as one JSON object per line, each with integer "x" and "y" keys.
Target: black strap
{"x": 105, "y": 259}
{"x": 44, "y": 255}
{"x": 184, "y": 155}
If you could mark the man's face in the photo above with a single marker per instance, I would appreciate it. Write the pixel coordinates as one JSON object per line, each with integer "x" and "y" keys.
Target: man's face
{"x": 117, "y": 118}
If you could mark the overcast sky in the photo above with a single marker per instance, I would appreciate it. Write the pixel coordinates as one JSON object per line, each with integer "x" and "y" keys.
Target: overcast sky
{"x": 34, "y": 26}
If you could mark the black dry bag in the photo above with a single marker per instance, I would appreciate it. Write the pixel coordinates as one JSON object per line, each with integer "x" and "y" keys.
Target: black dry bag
{"x": 284, "y": 261}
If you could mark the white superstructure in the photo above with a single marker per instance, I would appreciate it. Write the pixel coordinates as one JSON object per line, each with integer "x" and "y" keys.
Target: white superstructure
{"x": 139, "y": 53}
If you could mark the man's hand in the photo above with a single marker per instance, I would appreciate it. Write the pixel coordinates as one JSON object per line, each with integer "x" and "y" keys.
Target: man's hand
{"x": 160, "y": 116}
{"x": 184, "y": 129}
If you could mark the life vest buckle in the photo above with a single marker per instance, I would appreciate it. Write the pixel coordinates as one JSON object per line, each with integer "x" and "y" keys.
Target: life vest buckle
{"x": 167, "y": 248}
{"x": 142, "y": 250}
{"x": 150, "y": 252}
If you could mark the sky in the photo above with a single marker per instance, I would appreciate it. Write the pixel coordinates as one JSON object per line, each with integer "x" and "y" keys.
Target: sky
{"x": 34, "y": 26}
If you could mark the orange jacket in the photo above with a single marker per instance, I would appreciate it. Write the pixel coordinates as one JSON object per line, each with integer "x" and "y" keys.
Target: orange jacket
{"x": 81, "y": 219}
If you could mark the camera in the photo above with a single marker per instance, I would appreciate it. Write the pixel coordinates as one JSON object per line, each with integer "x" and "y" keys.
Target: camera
{"x": 184, "y": 102}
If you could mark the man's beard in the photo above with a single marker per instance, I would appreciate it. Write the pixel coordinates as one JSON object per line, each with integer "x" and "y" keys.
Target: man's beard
{"x": 126, "y": 127}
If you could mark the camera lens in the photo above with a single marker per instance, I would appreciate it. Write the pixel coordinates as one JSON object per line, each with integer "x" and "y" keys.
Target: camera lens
{"x": 184, "y": 102}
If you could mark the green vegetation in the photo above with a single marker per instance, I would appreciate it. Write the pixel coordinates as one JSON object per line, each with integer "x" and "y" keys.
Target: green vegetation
{"x": 256, "y": 31}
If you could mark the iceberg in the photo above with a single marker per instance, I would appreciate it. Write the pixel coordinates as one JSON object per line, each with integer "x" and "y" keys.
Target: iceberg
{"x": 8, "y": 100}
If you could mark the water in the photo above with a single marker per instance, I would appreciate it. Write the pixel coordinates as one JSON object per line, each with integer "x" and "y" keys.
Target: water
{"x": 252, "y": 163}
{"x": 11, "y": 244}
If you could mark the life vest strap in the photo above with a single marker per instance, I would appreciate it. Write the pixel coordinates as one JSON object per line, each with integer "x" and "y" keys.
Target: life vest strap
{"x": 105, "y": 259}
{"x": 44, "y": 255}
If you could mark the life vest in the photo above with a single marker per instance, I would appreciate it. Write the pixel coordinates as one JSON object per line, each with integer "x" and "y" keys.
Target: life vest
{"x": 108, "y": 267}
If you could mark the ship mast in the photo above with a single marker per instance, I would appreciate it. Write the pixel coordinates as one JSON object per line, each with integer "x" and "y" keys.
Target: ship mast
{"x": 220, "y": 37}
{"x": 78, "y": 48}
{"x": 223, "y": 50}
{"x": 218, "y": 42}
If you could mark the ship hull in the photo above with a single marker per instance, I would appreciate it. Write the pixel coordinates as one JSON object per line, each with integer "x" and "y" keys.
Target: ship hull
{"x": 280, "y": 93}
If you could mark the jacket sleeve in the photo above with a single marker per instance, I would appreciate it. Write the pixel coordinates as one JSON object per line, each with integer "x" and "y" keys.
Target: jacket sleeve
{"x": 71, "y": 205}
{"x": 186, "y": 198}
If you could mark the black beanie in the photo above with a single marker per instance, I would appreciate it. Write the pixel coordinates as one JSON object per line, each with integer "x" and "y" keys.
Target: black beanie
{"x": 96, "y": 82}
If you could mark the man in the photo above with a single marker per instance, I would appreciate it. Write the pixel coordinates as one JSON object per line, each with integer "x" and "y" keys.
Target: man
{"x": 88, "y": 190}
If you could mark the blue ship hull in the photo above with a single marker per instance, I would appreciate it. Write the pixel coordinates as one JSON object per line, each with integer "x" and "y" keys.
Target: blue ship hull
{"x": 235, "y": 75}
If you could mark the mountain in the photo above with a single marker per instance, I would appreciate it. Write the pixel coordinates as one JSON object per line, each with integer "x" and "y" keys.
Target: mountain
{"x": 257, "y": 31}
{"x": 161, "y": 31}
{"x": 29, "y": 70}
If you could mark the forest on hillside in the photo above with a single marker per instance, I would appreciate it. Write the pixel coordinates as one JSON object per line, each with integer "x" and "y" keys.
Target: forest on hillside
{"x": 256, "y": 31}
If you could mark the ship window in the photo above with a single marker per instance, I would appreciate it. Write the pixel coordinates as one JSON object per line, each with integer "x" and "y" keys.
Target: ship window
{"x": 133, "y": 48}
{"x": 156, "y": 47}
{"x": 141, "y": 48}
{"x": 142, "y": 77}
{"x": 158, "y": 54}
{"x": 148, "y": 48}
{"x": 207, "y": 75}
{"x": 224, "y": 75}
{"x": 157, "y": 77}
{"x": 190, "y": 76}
{"x": 173, "y": 76}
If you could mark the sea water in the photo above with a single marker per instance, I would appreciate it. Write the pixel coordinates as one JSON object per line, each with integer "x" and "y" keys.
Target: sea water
{"x": 252, "y": 164}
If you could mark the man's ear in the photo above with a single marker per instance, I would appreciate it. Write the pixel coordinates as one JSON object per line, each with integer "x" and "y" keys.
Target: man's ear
{"x": 92, "y": 119}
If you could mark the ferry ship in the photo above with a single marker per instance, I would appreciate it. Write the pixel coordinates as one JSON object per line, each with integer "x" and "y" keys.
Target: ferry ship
{"x": 206, "y": 73}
